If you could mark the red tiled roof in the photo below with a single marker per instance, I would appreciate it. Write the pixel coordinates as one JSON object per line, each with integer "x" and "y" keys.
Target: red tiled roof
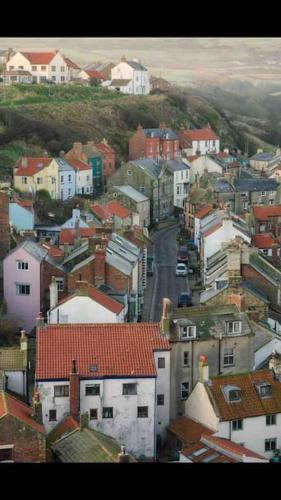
{"x": 187, "y": 430}
{"x": 32, "y": 166}
{"x": 264, "y": 213}
{"x": 116, "y": 209}
{"x": 103, "y": 148}
{"x": 79, "y": 165}
{"x": 192, "y": 157}
{"x": 68, "y": 424}
{"x": 95, "y": 74}
{"x": 200, "y": 214}
{"x": 264, "y": 240}
{"x": 119, "y": 349}
{"x": 251, "y": 405}
{"x": 67, "y": 236}
{"x": 212, "y": 229}
{"x": 52, "y": 250}
{"x": 70, "y": 63}
{"x": 231, "y": 446}
{"x": 39, "y": 57}
{"x": 100, "y": 211}
{"x": 24, "y": 203}
{"x": 202, "y": 134}
{"x": 99, "y": 297}
{"x": 209, "y": 451}
{"x": 11, "y": 406}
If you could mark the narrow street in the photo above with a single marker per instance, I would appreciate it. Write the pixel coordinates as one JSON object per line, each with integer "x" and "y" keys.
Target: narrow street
{"x": 165, "y": 283}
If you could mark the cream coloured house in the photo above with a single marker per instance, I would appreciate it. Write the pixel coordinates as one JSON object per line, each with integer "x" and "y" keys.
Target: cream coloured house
{"x": 43, "y": 66}
{"x": 34, "y": 174}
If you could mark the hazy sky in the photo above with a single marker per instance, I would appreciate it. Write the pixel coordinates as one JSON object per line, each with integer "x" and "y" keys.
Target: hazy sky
{"x": 174, "y": 58}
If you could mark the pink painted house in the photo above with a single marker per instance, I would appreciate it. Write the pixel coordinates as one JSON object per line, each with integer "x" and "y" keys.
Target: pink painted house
{"x": 27, "y": 272}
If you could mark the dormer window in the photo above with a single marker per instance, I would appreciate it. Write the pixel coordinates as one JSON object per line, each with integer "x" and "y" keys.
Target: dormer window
{"x": 232, "y": 393}
{"x": 264, "y": 390}
{"x": 188, "y": 332}
{"x": 233, "y": 326}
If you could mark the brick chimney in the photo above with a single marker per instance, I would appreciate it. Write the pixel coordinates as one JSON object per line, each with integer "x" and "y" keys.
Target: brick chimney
{"x": 37, "y": 408}
{"x": 62, "y": 154}
{"x": 53, "y": 293}
{"x": 74, "y": 391}
{"x": 203, "y": 369}
{"x": 24, "y": 161}
{"x": 99, "y": 266}
{"x": 9, "y": 54}
{"x": 162, "y": 125}
{"x": 238, "y": 299}
{"x": 166, "y": 316}
{"x": 77, "y": 149}
{"x": 123, "y": 457}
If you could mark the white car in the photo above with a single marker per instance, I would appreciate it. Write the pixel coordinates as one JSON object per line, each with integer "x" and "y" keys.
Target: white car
{"x": 181, "y": 270}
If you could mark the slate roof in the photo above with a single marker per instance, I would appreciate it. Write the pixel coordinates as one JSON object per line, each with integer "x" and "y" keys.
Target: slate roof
{"x": 119, "y": 263}
{"x": 83, "y": 263}
{"x": 127, "y": 244}
{"x": 121, "y": 252}
{"x": 262, "y": 157}
{"x": 260, "y": 184}
{"x": 174, "y": 165}
{"x": 119, "y": 83}
{"x": 64, "y": 165}
{"x": 161, "y": 133}
{"x": 32, "y": 248}
{"x": 251, "y": 404}
{"x": 132, "y": 193}
{"x": 150, "y": 167}
{"x": 136, "y": 65}
{"x": 86, "y": 446}
{"x": 12, "y": 406}
{"x": 119, "y": 349}
{"x": 12, "y": 358}
{"x": 222, "y": 186}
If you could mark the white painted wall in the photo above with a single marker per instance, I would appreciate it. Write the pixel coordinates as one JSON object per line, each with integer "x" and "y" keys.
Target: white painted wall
{"x": 138, "y": 434}
{"x": 70, "y": 312}
{"x": 84, "y": 181}
{"x": 202, "y": 164}
{"x": 140, "y": 79}
{"x": 163, "y": 387}
{"x": 200, "y": 224}
{"x": 66, "y": 184}
{"x": 199, "y": 408}
{"x": 263, "y": 353}
{"x": 254, "y": 433}
{"x": 206, "y": 146}
{"x": 181, "y": 177}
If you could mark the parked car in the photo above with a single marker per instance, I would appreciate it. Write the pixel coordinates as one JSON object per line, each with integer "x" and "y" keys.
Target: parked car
{"x": 181, "y": 270}
{"x": 184, "y": 300}
{"x": 182, "y": 255}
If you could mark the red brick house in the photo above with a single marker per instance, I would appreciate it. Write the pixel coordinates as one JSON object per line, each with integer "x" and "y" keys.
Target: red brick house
{"x": 22, "y": 438}
{"x": 108, "y": 159}
{"x": 154, "y": 143}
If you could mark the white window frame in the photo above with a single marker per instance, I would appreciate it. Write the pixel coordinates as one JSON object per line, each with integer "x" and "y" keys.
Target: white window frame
{"x": 22, "y": 266}
{"x": 235, "y": 425}
{"x": 18, "y": 285}
{"x": 24, "y": 180}
{"x": 188, "y": 332}
{"x": 271, "y": 419}
{"x": 270, "y": 441}
{"x": 60, "y": 284}
{"x": 236, "y": 327}
{"x": 228, "y": 356}
{"x": 129, "y": 172}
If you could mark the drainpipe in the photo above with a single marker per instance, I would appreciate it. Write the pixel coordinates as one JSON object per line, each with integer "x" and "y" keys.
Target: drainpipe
{"x": 230, "y": 430}
{"x": 192, "y": 360}
{"x": 220, "y": 339}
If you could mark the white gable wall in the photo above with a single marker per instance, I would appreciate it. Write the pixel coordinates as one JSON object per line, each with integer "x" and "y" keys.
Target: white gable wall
{"x": 199, "y": 408}
{"x": 70, "y": 312}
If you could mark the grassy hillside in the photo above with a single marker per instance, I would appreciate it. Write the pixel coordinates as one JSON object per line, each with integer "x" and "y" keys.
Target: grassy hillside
{"x": 38, "y": 118}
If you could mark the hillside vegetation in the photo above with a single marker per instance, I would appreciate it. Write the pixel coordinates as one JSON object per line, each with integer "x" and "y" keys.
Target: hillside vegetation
{"x": 38, "y": 118}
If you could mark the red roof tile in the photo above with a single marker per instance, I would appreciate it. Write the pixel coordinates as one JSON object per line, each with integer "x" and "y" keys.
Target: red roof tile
{"x": 100, "y": 211}
{"x": 68, "y": 424}
{"x": 79, "y": 165}
{"x": 11, "y": 406}
{"x": 251, "y": 404}
{"x": 116, "y": 209}
{"x": 231, "y": 446}
{"x": 212, "y": 229}
{"x": 95, "y": 74}
{"x": 33, "y": 166}
{"x": 25, "y": 203}
{"x": 264, "y": 240}
{"x": 209, "y": 451}
{"x": 187, "y": 430}
{"x": 192, "y": 157}
{"x": 103, "y": 148}
{"x": 119, "y": 349}
{"x": 70, "y": 63}
{"x": 39, "y": 57}
{"x": 52, "y": 250}
{"x": 67, "y": 236}
{"x": 264, "y": 213}
{"x": 200, "y": 214}
{"x": 202, "y": 134}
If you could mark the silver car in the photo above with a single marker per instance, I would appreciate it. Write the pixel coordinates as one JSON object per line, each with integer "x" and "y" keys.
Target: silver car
{"x": 181, "y": 270}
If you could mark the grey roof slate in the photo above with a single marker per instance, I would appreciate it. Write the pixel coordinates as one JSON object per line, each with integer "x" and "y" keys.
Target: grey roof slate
{"x": 261, "y": 184}
{"x": 222, "y": 186}
{"x": 119, "y": 82}
{"x": 63, "y": 165}
{"x": 149, "y": 166}
{"x": 262, "y": 156}
{"x": 163, "y": 133}
{"x": 174, "y": 165}
{"x": 261, "y": 295}
{"x": 122, "y": 252}
{"x": 118, "y": 262}
{"x": 38, "y": 252}
{"x": 136, "y": 65}
{"x": 132, "y": 193}
{"x": 126, "y": 244}
{"x": 78, "y": 251}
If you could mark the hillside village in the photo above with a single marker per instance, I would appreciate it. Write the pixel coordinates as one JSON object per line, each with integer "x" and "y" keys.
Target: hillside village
{"x": 140, "y": 294}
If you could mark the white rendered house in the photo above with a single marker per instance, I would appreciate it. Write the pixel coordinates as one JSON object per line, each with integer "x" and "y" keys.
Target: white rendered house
{"x": 43, "y": 66}
{"x": 130, "y": 77}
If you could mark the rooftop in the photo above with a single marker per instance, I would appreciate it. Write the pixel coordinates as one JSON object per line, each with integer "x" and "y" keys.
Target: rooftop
{"x": 119, "y": 349}
{"x": 175, "y": 165}
{"x": 117, "y": 209}
{"x": 260, "y": 184}
{"x": 149, "y": 166}
{"x": 265, "y": 213}
{"x": 12, "y": 358}
{"x": 202, "y": 212}
{"x": 132, "y": 193}
{"x": 188, "y": 430}
{"x": 251, "y": 404}
{"x": 264, "y": 240}
{"x": 262, "y": 157}
{"x": 33, "y": 165}
{"x": 162, "y": 133}
{"x": 96, "y": 295}
{"x": 136, "y": 65}
{"x": 67, "y": 236}
{"x": 39, "y": 57}
{"x": 12, "y": 406}
{"x": 203, "y": 134}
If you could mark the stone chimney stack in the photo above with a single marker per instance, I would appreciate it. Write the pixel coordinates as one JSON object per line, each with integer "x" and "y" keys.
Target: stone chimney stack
{"x": 99, "y": 266}
{"x": 203, "y": 371}
{"x": 74, "y": 391}
{"x": 166, "y": 316}
{"x": 53, "y": 293}
{"x": 123, "y": 457}
{"x": 9, "y": 54}
{"x": 24, "y": 161}
{"x": 37, "y": 408}
{"x": 275, "y": 364}
{"x": 77, "y": 149}
{"x": 40, "y": 323}
{"x": 23, "y": 340}
{"x": 237, "y": 299}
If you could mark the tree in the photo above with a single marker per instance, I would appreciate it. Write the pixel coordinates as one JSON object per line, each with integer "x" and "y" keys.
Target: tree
{"x": 94, "y": 82}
